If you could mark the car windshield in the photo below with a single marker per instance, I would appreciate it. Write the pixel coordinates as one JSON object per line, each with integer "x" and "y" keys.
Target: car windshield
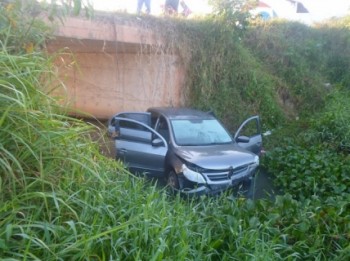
{"x": 199, "y": 132}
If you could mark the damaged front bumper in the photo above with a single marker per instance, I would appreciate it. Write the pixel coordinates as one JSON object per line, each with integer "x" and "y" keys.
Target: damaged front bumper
{"x": 210, "y": 186}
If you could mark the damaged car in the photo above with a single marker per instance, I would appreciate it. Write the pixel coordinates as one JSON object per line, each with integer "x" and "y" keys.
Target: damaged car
{"x": 191, "y": 149}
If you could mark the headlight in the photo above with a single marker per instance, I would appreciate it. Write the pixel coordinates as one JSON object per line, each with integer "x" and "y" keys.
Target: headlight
{"x": 192, "y": 175}
{"x": 256, "y": 160}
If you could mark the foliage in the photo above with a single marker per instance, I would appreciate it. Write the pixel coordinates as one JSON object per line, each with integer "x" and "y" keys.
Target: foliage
{"x": 228, "y": 81}
{"x": 312, "y": 171}
{"x": 313, "y": 165}
{"x": 332, "y": 125}
{"x": 277, "y": 69}
{"x": 291, "y": 52}
{"x": 306, "y": 59}
{"x": 21, "y": 28}
{"x": 61, "y": 200}
{"x": 59, "y": 9}
{"x": 316, "y": 161}
{"x": 337, "y": 37}
{"x": 234, "y": 13}
{"x": 222, "y": 75}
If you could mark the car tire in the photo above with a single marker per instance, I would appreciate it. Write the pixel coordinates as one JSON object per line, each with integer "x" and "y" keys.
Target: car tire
{"x": 249, "y": 188}
{"x": 173, "y": 181}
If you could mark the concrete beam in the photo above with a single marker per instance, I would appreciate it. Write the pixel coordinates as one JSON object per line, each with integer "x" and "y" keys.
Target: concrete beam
{"x": 106, "y": 30}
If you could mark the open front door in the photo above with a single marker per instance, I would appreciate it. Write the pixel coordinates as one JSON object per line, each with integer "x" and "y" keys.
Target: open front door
{"x": 248, "y": 135}
{"x": 143, "y": 117}
{"x": 139, "y": 146}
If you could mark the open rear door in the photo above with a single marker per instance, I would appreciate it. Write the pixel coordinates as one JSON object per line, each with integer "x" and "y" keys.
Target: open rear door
{"x": 248, "y": 135}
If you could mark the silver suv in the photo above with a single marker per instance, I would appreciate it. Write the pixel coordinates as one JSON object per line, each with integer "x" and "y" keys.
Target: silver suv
{"x": 190, "y": 148}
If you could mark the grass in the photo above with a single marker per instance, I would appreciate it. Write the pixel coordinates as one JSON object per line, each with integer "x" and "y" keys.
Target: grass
{"x": 60, "y": 199}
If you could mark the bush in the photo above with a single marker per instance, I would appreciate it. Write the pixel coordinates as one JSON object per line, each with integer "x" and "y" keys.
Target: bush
{"x": 61, "y": 200}
{"x": 332, "y": 125}
{"x": 313, "y": 171}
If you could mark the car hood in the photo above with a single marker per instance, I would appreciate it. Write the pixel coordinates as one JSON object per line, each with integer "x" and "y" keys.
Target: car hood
{"x": 217, "y": 156}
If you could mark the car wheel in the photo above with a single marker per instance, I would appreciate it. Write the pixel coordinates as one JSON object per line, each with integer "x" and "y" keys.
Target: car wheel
{"x": 173, "y": 181}
{"x": 249, "y": 187}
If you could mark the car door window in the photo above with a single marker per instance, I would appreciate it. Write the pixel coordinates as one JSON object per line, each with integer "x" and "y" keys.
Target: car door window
{"x": 144, "y": 117}
{"x": 140, "y": 147}
{"x": 134, "y": 131}
{"x": 114, "y": 122}
{"x": 154, "y": 120}
{"x": 163, "y": 129}
{"x": 250, "y": 128}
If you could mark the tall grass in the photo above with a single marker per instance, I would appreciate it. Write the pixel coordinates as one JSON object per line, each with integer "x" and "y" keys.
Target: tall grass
{"x": 221, "y": 73}
{"x": 308, "y": 61}
{"x": 60, "y": 199}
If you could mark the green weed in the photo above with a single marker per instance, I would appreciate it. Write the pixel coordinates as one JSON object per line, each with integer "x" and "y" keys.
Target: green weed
{"x": 60, "y": 199}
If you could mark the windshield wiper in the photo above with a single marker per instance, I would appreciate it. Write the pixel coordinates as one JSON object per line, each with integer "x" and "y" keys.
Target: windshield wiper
{"x": 220, "y": 143}
{"x": 206, "y": 144}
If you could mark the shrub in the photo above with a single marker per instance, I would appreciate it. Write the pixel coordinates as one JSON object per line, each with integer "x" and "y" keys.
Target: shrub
{"x": 313, "y": 171}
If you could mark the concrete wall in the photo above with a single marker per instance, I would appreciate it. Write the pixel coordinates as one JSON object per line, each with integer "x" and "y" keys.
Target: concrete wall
{"x": 113, "y": 68}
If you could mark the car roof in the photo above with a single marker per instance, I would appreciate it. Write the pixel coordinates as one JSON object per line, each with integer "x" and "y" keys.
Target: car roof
{"x": 180, "y": 113}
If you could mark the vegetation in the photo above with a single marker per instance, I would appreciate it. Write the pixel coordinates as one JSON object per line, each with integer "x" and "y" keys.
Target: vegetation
{"x": 61, "y": 200}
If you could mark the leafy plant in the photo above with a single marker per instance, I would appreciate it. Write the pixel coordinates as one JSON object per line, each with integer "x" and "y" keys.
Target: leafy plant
{"x": 332, "y": 125}
{"x": 62, "y": 200}
{"x": 313, "y": 171}
{"x": 21, "y": 29}
{"x": 234, "y": 13}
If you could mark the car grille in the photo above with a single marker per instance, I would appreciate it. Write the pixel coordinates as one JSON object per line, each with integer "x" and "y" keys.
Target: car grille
{"x": 223, "y": 175}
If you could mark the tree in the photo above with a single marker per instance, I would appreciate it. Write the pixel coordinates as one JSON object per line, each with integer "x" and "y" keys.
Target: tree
{"x": 234, "y": 12}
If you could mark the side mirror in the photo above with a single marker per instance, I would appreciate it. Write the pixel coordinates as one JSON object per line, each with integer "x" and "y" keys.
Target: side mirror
{"x": 157, "y": 142}
{"x": 243, "y": 139}
{"x": 116, "y": 132}
{"x": 113, "y": 128}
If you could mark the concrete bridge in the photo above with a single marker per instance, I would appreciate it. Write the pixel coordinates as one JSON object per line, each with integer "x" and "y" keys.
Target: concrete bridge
{"x": 109, "y": 66}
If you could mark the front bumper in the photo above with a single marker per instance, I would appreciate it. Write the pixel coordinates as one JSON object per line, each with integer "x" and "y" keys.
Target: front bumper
{"x": 212, "y": 188}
